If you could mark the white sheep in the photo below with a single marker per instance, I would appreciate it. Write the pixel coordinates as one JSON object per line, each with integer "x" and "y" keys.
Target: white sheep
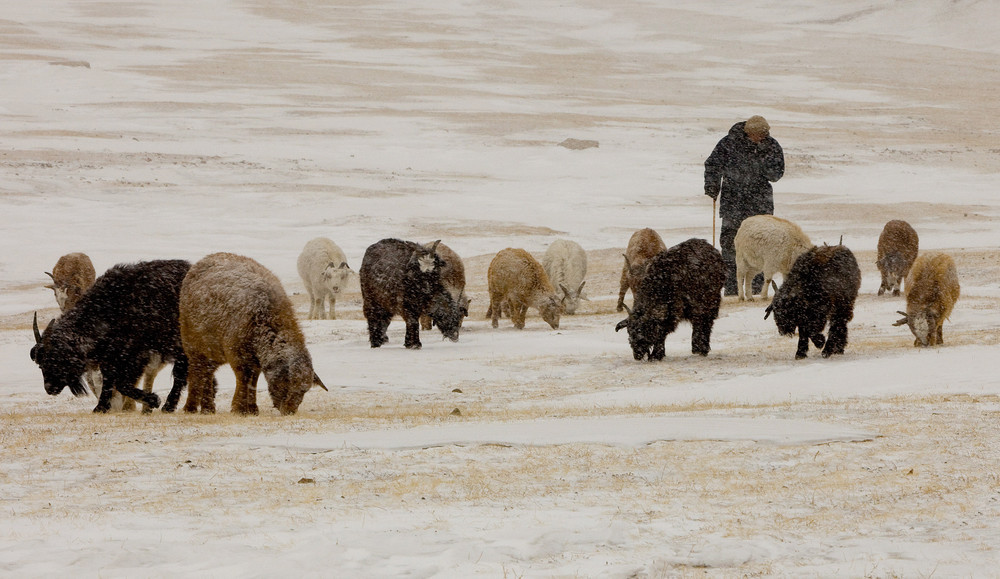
{"x": 324, "y": 271}
{"x": 769, "y": 245}
{"x": 565, "y": 262}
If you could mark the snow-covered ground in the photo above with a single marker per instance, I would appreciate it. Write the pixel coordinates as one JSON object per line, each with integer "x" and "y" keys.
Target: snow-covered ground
{"x": 140, "y": 130}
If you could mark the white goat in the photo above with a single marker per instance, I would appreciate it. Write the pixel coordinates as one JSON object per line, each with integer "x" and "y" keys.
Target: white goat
{"x": 324, "y": 271}
{"x": 769, "y": 245}
{"x": 565, "y": 262}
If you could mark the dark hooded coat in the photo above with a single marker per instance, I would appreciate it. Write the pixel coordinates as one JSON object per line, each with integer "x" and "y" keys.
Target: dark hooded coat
{"x": 742, "y": 171}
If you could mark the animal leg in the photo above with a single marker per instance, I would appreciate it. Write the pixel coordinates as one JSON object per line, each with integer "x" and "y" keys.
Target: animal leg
{"x": 245, "y": 397}
{"x": 126, "y": 385}
{"x": 837, "y": 339}
{"x": 333, "y": 306}
{"x": 743, "y": 282}
{"x": 201, "y": 387}
{"x": 494, "y": 311}
{"x": 378, "y": 323}
{"x": 425, "y": 322}
{"x": 768, "y": 276}
{"x": 623, "y": 287}
{"x": 803, "y": 349}
{"x": 517, "y": 314}
{"x": 701, "y": 335}
{"x": 179, "y": 374}
{"x": 412, "y": 340}
{"x": 939, "y": 336}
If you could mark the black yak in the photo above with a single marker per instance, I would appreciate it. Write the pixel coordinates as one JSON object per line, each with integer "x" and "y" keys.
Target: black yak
{"x": 821, "y": 287}
{"x": 682, "y": 283}
{"x": 404, "y": 278}
{"x": 126, "y": 322}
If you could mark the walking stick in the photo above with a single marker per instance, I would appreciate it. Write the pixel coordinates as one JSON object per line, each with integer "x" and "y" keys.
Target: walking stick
{"x": 713, "y": 222}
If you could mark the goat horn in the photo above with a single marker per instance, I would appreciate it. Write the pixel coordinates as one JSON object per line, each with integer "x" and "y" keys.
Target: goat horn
{"x": 50, "y": 275}
{"x": 621, "y": 324}
{"x": 768, "y": 311}
{"x": 34, "y": 326}
{"x": 627, "y": 311}
{"x": 319, "y": 382}
{"x": 904, "y": 320}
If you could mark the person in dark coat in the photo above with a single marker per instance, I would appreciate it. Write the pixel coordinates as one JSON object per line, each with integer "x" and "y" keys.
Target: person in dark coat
{"x": 741, "y": 169}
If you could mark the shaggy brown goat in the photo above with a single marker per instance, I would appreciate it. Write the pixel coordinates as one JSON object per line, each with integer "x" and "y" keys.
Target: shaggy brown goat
{"x": 453, "y": 280}
{"x": 931, "y": 292}
{"x": 234, "y": 311}
{"x": 519, "y": 281}
{"x": 72, "y": 275}
{"x": 642, "y": 246}
{"x": 897, "y": 248}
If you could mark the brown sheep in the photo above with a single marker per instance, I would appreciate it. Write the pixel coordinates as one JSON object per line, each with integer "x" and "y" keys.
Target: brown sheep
{"x": 517, "y": 280}
{"x": 642, "y": 246}
{"x": 897, "y": 248}
{"x": 931, "y": 292}
{"x": 72, "y": 275}
{"x": 234, "y": 311}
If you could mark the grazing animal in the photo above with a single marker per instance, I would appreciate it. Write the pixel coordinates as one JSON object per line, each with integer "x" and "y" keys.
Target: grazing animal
{"x": 897, "y": 248}
{"x": 931, "y": 292}
{"x": 642, "y": 246}
{"x": 324, "y": 271}
{"x": 72, "y": 276}
{"x": 681, "y": 283}
{"x": 125, "y": 325}
{"x": 769, "y": 245}
{"x": 234, "y": 311}
{"x": 404, "y": 278}
{"x": 453, "y": 280}
{"x": 821, "y": 287}
{"x": 565, "y": 262}
{"x": 517, "y": 280}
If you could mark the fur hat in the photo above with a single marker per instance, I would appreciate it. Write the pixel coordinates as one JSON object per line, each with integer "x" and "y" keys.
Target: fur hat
{"x": 757, "y": 126}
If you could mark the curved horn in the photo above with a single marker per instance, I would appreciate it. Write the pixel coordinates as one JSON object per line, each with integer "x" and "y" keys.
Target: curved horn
{"x": 627, "y": 311}
{"x": 904, "y": 320}
{"x": 768, "y": 311}
{"x": 34, "y": 326}
{"x": 319, "y": 382}
{"x": 434, "y": 246}
{"x": 621, "y": 324}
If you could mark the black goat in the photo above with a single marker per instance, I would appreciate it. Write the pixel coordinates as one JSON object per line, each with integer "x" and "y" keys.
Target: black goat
{"x": 125, "y": 322}
{"x": 682, "y": 283}
{"x": 404, "y": 278}
{"x": 821, "y": 287}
